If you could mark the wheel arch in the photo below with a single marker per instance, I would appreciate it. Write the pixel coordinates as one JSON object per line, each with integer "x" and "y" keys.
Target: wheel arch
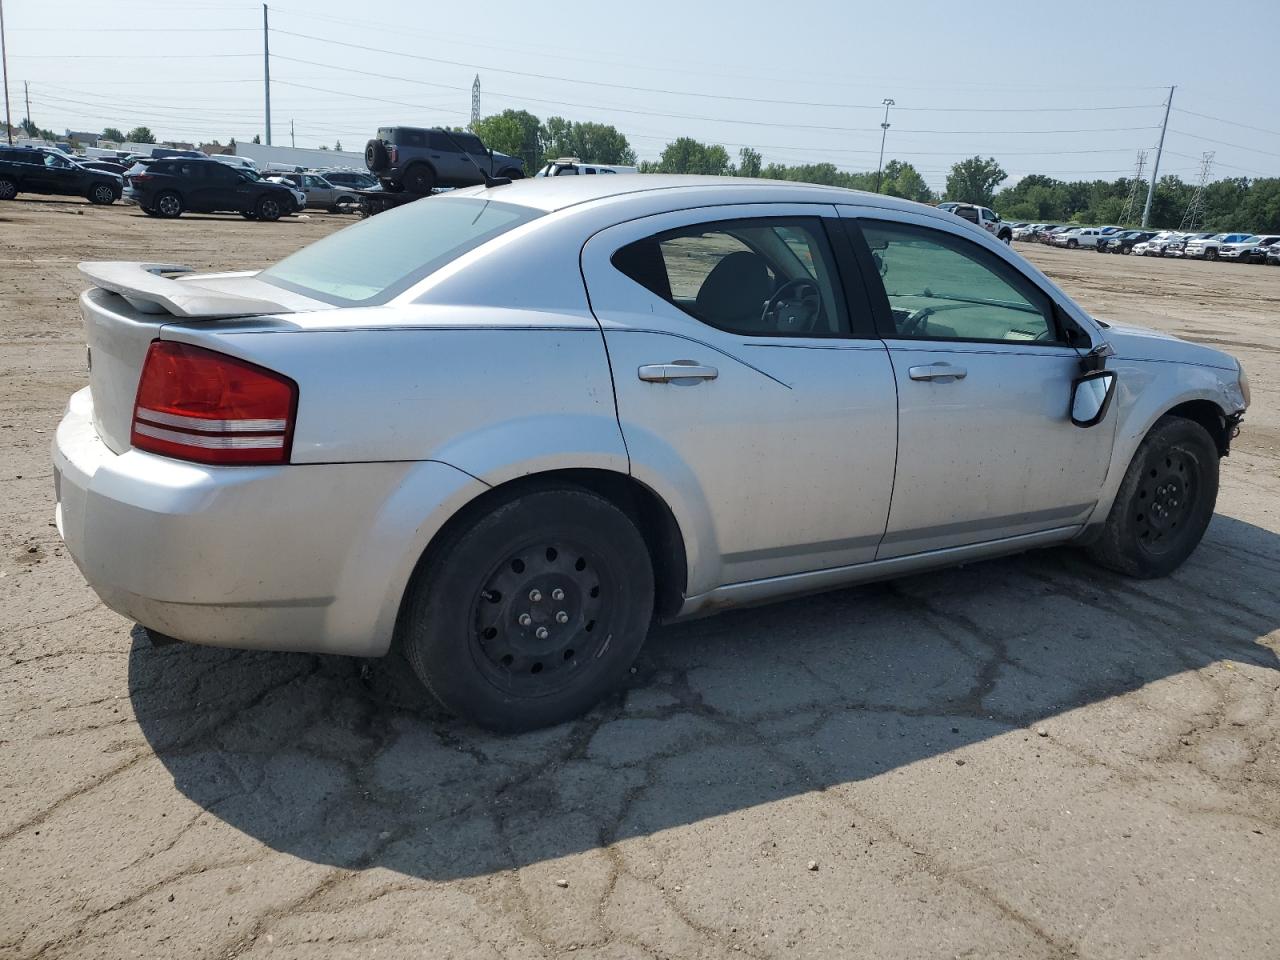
{"x": 1210, "y": 415}
{"x": 652, "y": 516}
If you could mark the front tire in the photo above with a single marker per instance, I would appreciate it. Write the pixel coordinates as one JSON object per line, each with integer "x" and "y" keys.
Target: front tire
{"x": 269, "y": 210}
{"x": 1211, "y": 254}
{"x": 1072, "y": 244}
{"x": 8, "y": 188}
{"x": 102, "y": 194}
{"x": 530, "y": 613}
{"x": 1164, "y": 503}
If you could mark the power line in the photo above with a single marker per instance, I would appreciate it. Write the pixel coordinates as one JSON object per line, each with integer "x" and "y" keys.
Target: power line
{"x": 1223, "y": 143}
{"x": 1205, "y": 116}
{"x": 689, "y": 93}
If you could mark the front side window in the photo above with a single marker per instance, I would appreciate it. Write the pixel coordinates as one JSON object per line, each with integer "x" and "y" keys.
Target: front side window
{"x": 374, "y": 260}
{"x": 944, "y": 287}
{"x": 772, "y": 277}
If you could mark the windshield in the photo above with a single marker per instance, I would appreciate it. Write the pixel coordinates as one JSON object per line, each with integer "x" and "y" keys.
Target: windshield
{"x": 374, "y": 260}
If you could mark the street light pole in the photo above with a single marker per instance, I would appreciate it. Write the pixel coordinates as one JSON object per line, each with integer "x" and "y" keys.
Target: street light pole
{"x": 884, "y": 132}
{"x": 4, "y": 59}
{"x": 266, "y": 70}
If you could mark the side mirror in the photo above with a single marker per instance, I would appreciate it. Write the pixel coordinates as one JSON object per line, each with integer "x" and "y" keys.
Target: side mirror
{"x": 1091, "y": 397}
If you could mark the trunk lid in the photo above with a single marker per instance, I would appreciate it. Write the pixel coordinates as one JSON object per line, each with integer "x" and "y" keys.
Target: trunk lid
{"x": 130, "y": 303}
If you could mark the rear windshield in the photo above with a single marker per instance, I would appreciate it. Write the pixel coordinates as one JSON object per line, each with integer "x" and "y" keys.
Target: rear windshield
{"x": 372, "y": 261}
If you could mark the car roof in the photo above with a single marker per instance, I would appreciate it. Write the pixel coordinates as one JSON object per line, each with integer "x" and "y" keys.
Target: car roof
{"x": 557, "y": 193}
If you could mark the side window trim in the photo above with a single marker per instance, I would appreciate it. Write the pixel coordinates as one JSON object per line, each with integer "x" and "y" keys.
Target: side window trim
{"x": 880, "y": 300}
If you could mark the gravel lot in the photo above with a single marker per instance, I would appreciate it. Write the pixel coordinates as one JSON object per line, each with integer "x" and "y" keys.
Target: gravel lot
{"x": 1022, "y": 758}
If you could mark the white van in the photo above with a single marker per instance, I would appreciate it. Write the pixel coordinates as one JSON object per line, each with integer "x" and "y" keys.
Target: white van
{"x": 243, "y": 163}
{"x": 572, "y": 166}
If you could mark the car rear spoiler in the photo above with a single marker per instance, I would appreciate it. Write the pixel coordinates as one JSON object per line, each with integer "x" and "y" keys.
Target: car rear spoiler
{"x": 149, "y": 288}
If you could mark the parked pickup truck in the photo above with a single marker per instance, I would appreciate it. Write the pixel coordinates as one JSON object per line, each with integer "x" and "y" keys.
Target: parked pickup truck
{"x": 984, "y": 217}
{"x": 1208, "y": 249}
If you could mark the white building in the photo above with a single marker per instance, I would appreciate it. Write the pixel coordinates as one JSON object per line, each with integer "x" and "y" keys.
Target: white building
{"x": 264, "y": 155}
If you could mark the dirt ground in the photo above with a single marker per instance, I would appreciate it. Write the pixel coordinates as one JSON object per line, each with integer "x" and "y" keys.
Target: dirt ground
{"x": 1022, "y": 758}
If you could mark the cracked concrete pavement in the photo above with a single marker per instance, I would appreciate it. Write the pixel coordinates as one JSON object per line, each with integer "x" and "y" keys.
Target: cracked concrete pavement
{"x": 1022, "y": 758}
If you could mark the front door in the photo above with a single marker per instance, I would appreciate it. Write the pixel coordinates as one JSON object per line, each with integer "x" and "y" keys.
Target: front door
{"x": 983, "y": 369}
{"x": 751, "y": 390}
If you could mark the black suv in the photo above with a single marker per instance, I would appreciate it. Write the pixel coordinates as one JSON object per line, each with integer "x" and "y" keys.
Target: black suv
{"x": 166, "y": 188}
{"x": 32, "y": 170}
{"x": 419, "y": 160}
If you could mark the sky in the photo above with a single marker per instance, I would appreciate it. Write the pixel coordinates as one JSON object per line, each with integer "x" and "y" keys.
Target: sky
{"x": 1073, "y": 90}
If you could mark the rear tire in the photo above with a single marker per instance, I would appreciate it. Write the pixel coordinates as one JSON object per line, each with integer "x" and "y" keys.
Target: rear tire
{"x": 1164, "y": 503}
{"x": 420, "y": 179}
{"x": 530, "y": 613}
{"x": 8, "y": 188}
{"x": 168, "y": 205}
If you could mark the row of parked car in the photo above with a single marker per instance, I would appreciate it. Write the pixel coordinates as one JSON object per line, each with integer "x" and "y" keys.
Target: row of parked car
{"x": 179, "y": 181}
{"x": 1207, "y": 245}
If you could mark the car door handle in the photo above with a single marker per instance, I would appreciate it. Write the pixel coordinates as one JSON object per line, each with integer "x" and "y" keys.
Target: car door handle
{"x": 937, "y": 371}
{"x": 676, "y": 370}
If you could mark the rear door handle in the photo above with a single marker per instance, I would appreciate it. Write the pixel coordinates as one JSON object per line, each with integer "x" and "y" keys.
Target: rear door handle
{"x": 676, "y": 370}
{"x": 937, "y": 371}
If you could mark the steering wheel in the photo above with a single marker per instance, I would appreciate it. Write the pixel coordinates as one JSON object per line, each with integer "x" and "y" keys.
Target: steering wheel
{"x": 796, "y": 307}
{"x": 915, "y": 322}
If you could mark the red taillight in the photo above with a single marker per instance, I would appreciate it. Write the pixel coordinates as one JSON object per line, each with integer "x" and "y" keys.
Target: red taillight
{"x": 195, "y": 404}
{"x": 138, "y": 177}
{"x": 395, "y": 156}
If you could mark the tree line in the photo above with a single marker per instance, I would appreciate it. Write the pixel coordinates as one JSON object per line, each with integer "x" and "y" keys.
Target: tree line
{"x": 1236, "y": 203}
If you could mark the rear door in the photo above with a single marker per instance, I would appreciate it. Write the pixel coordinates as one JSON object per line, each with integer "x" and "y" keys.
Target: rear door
{"x": 986, "y": 449}
{"x": 751, "y": 389}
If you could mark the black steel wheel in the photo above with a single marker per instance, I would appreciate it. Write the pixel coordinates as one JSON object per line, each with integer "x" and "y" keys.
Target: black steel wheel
{"x": 1164, "y": 503}
{"x": 529, "y": 611}
{"x": 541, "y": 614}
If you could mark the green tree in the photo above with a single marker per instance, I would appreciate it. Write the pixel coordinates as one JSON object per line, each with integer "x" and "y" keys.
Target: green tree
{"x": 517, "y": 133}
{"x": 901, "y": 179}
{"x": 337, "y": 145}
{"x": 140, "y": 135}
{"x": 687, "y": 155}
{"x": 749, "y": 163}
{"x": 974, "y": 180}
{"x": 113, "y": 134}
{"x": 256, "y": 138}
{"x": 590, "y": 142}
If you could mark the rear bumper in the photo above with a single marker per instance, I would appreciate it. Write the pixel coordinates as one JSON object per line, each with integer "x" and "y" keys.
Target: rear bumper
{"x": 308, "y": 558}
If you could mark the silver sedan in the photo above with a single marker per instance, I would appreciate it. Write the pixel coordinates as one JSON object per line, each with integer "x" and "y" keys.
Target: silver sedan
{"x": 505, "y": 429}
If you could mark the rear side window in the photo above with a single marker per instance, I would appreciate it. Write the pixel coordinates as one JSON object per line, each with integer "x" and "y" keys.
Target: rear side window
{"x": 374, "y": 260}
{"x": 411, "y": 138}
{"x": 771, "y": 277}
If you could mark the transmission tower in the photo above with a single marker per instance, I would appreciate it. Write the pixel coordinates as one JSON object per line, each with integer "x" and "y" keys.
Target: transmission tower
{"x": 1195, "y": 209}
{"x": 475, "y": 102}
{"x": 1131, "y": 205}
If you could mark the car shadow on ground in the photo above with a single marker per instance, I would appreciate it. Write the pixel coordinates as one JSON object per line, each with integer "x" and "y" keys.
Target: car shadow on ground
{"x": 319, "y": 757}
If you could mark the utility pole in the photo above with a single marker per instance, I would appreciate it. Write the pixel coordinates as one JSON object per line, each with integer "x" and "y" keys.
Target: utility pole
{"x": 26, "y": 96}
{"x": 266, "y": 70}
{"x": 292, "y": 141}
{"x": 475, "y": 102}
{"x": 1155, "y": 170}
{"x": 884, "y": 132}
{"x": 4, "y": 60}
